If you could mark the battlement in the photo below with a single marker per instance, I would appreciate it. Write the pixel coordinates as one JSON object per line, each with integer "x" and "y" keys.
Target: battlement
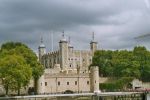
{"x": 53, "y": 53}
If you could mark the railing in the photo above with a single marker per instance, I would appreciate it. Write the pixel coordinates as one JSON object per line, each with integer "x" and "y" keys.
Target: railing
{"x": 84, "y": 96}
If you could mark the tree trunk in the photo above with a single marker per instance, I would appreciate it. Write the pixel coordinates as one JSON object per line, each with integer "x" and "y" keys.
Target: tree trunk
{"x": 36, "y": 86}
{"x": 18, "y": 91}
{"x": 19, "y": 86}
{"x": 6, "y": 89}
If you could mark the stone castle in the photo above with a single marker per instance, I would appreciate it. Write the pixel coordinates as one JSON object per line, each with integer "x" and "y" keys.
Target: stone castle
{"x": 68, "y": 69}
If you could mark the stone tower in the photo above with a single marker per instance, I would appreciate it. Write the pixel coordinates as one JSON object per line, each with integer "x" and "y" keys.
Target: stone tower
{"x": 94, "y": 77}
{"x": 63, "y": 52}
{"x": 93, "y": 45}
{"x": 42, "y": 50}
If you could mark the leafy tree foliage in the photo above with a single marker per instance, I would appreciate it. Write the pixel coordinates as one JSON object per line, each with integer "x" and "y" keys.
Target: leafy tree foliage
{"x": 116, "y": 85}
{"x": 124, "y": 63}
{"x": 14, "y": 72}
{"x": 30, "y": 58}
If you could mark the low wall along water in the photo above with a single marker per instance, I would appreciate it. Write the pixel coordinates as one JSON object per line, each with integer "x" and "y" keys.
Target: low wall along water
{"x": 85, "y": 96}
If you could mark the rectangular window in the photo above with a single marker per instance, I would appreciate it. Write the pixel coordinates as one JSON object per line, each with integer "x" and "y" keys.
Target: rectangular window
{"x": 45, "y": 83}
{"x": 67, "y": 83}
{"x": 88, "y": 82}
{"x": 75, "y": 82}
{"x": 58, "y": 83}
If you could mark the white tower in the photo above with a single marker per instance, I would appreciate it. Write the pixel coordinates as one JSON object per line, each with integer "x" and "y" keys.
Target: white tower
{"x": 93, "y": 44}
{"x": 63, "y": 52}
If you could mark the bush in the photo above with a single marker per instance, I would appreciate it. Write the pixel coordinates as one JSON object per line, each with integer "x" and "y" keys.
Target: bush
{"x": 116, "y": 85}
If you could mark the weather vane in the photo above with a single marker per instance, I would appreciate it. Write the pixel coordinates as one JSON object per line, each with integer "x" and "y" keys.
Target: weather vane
{"x": 93, "y": 35}
{"x": 63, "y": 35}
{"x": 41, "y": 39}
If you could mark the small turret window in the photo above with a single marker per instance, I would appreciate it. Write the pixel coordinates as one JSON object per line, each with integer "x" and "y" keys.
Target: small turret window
{"x": 45, "y": 83}
{"x": 75, "y": 82}
{"x": 88, "y": 82}
{"x": 67, "y": 83}
{"x": 58, "y": 83}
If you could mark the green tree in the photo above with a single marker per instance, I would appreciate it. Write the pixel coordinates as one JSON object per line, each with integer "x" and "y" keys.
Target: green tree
{"x": 29, "y": 56}
{"x": 142, "y": 55}
{"x": 123, "y": 63}
{"x": 14, "y": 72}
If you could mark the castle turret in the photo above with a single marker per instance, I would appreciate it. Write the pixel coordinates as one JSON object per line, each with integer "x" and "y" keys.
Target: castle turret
{"x": 93, "y": 45}
{"x": 94, "y": 79}
{"x": 41, "y": 87}
{"x": 42, "y": 50}
{"x": 63, "y": 52}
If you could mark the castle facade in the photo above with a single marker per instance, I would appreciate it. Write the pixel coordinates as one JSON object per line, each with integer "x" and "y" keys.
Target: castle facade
{"x": 68, "y": 69}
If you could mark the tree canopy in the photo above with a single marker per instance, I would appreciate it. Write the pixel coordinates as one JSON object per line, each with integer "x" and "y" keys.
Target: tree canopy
{"x": 124, "y": 63}
{"x": 23, "y": 56}
{"x": 15, "y": 73}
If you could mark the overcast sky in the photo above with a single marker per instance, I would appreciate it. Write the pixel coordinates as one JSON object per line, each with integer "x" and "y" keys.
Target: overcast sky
{"x": 115, "y": 22}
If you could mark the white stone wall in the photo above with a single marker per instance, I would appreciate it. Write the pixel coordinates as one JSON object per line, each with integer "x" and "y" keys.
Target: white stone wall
{"x": 74, "y": 67}
{"x": 61, "y": 83}
{"x": 68, "y": 58}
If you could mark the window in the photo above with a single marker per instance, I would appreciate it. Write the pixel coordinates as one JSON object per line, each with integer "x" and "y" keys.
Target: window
{"x": 41, "y": 84}
{"x": 75, "y": 82}
{"x": 88, "y": 82}
{"x": 45, "y": 83}
{"x": 95, "y": 81}
{"x": 70, "y": 65}
{"x": 58, "y": 83}
{"x": 90, "y": 60}
{"x": 67, "y": 83}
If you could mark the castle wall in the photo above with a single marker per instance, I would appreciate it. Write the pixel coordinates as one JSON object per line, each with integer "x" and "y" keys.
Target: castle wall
{"x": 60, "y": 83}
{"x": 73, "y": 71}
{"x": 80, "y": 58}
{"x": 50, "y": 59}
{"x": 76, "y": 58}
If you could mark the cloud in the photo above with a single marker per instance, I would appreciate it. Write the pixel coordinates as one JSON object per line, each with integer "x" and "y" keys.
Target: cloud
{"x": 115, "y": 23}
{"x": 147, "y": 3}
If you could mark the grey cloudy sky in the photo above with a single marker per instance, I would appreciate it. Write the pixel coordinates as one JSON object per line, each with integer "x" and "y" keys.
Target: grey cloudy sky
{"x": 115, "y": 22}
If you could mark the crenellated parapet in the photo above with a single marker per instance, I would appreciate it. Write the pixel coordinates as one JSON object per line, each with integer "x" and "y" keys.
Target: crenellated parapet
{"x": 53, "y": 53}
